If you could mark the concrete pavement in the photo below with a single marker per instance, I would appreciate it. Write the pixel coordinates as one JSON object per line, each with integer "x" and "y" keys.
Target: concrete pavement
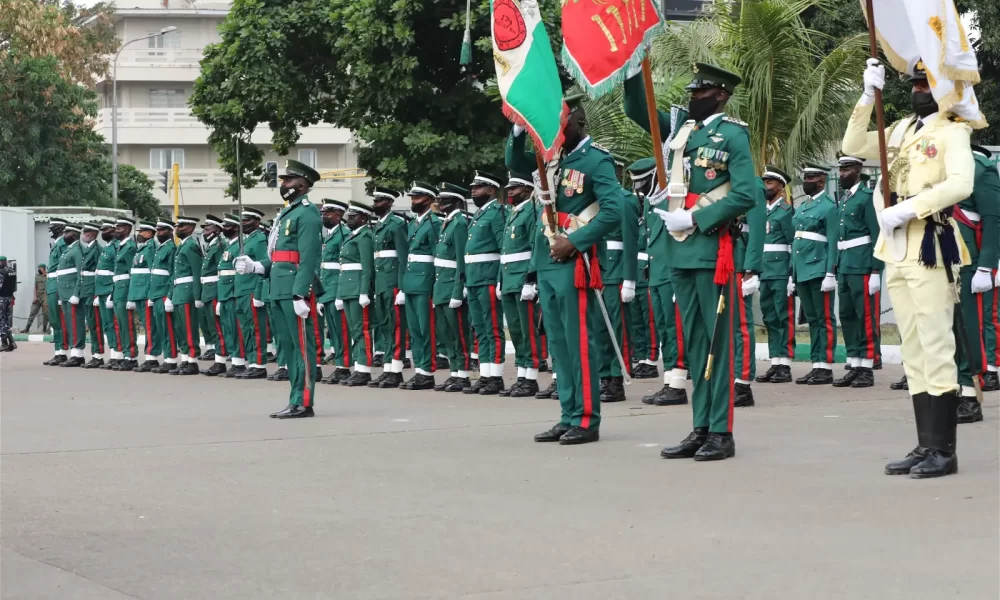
{"x": 150, "y": 486}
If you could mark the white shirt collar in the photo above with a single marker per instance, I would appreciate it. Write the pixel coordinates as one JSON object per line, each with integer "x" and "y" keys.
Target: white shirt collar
{"x": 854, "y": 188}
{"x": 386, "y": 216}
{"x": 819, "y": 194}
{"x": 452, "y": 214}
{"x": 772, "y": 205}
{"x": 420, "y": 218}
{"x": 485, "y": 206}
{"x": 580, "y": 145}
{"x": 519, "y": 206}
{"x": 928, "y": 119}
{"x": 708, "y": 120}
{"x": 92, "y": 242}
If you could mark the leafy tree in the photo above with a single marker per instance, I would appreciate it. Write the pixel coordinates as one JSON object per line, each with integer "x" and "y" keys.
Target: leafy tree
{"x": 135, "y": 192}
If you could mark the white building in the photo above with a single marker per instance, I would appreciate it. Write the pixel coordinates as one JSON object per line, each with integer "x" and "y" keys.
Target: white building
{"x": 156, "y": 128}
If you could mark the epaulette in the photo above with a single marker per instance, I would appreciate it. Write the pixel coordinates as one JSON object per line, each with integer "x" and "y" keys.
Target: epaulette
{"x": 678, "y": 107}
{"x": 600, "y": 147}
{"x": 735, "y": 121}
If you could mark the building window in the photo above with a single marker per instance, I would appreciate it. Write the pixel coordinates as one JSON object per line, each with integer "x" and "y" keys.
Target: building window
{"x": 167, "y": 99}
{"x": 164, "y": 158}
{"x": 308, "y": 158}
{"x": 167, "y": 40}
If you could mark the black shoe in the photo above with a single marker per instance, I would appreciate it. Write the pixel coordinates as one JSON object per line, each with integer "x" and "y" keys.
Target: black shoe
{"x": 295, "y": 412}
{"x": 95, "y": 363}
{"x": 329, "y": 359}
{"x": 784, "y": 374}
{"x": 645, "y": 371}
{"x": 342, "y": 374}
{"x": 359, "y": 379}
{"x": 902, "y": 467}
{"x": 278, "y": 412}
{"x": 555, "y": 393}
{"x": 215, "y": 369}
{"x": 109, "y": 365}
{"x": 442, "y": 363}
{"x": 527, "y": 389}
{"x": 821, "y": 377}
{"x": 605, "y": 383}
{"x": 615, "y": 392}
{"x": 74, "y": 361}
{"x": 494, "y": 386}
{"x": 407, "y": 363}
{"x": 766, "y": 377}
{"x": 130, "y": 364}
{"x": 318, "y": 375}
{"x": 55, "y": 361}
{"x": 969, "y": 411}
{"x": 899, "y": 385}
{"x": 689, "y": 446}
{"x": 866, "y": 378}
{"x": 475, "y": 386}
{"x": 374, "y": 383}
{"x": 549, "y": 391}
{"x": 378, "y": 361}
{"x": 392, "y": 380}
{"x": 543, "y": 367}
{"x": 716, "y": 447}
{"x": 744, "y": 396}
{"x": 579, "y": 435}
{"x": 805, "y": 378}
{"x": 190, "y": 368}
{"x": 651, "y": 398}
{"x": 419, "y": 382}
{"x": 991, "y": 381}
{"x": 552, "y": 435}
{"x": 255, "y": 373}
{"x": 935, "y": 464}
{"x": 146, "y": 366}
{"x": 237, "y": 371}
{"x": 207, "y": 355}
{"x": 271, "y": 357}
{"x": 166, "y": 368}
{"x": 672, "y": 397}
{"x": 848, "y": 378}
{"x": 440, "y": 387}
{"x": 507, "y": 392}
{"x": 459, "y": 384}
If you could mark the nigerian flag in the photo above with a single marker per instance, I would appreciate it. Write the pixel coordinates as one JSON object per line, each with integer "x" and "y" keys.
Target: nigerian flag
{"x": 527, "y": 74}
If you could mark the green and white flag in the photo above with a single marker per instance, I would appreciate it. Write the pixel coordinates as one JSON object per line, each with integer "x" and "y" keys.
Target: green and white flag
{"x": 527, "y": 74}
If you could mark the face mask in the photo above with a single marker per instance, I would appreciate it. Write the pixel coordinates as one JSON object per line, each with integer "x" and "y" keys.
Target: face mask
{"x": 480, "y": 201}
{"x": 289, "y": 194}
{"x": 811, "y": 187}
{"x": 771, "y": 193}
{"x": 700, "y": 109}
{"x": 923, "y": 104}
{"x": 847, "y": 183}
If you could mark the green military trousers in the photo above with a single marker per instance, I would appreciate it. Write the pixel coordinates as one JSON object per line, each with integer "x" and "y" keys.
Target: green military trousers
{"x": 74, "y": 318}
{"x": 977, "y": 310}
{"x": 390, "y": 328}
{"x": 698, "y": 299}
{"x": 573, "y": 322}
{"x": 486, "y": 313}
{"x": 231, "y": 332}
{"x": 818, "y": 308}
{"x": 209, "y": 326}
{"x": 671, "y": 334}
{"x": 296, "y": 336}
{"x": 95, "y": 325}
{"x": 522, "y": 321}
{"x": 608, "y": 365}
{"x": 252, "y": 321}
{"x": 125, "y": 329}
{"x": 106, "y": 317}
{"x": 360, "y": 324}
{"x": 165, "y": 327}
{"x": 453, "y": 331}
{"x": 744, "y": 338}
{"x": 642, "y": 327}
{"x": 185, "y": 318}
{"x": 338, "y": 334}
{"x": 777, "y": 309}
{"x": 280, "y": 353}
{"x": 423, "y": 337}
{"x": 57, "y": 319}
{"x": 153, "y": 347}
{"x": 859, "y": 317}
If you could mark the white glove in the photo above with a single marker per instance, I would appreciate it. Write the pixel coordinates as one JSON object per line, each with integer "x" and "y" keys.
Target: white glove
{"x": 750, "y": 285}
{"x": 996, "y": 282}
{"x": 677, "y": 220}
{"x": 529, "y": 291}
{"x": 465, "y": 292}
{"x": 319, "y": 309}
{"x": 518, "y": 130}
{"x": 244, "y": 265}
{"x": 168, "y": 305}
{"x": 109, "y": 303}
{"x": 790, "y": 288}
{"x": 499, "y": 293}
{"x": 896, "y": 216}
{"x": 829, "y": 283}
{"x": 400, "y": 299}
{"x": 199, "y": 304}
{"x": 74, "y": 300}
{"x": 218, "y": 309}
{"x": 301, "y": 308}
{"x": 130, "y": 305}
{"x": 982, "y": 281}
{"x": 97, "y": 302}
{"x": 874, "y": 78}
{"x": 60, "y": 303}
{"x": 628, "y": 291}
{"x": 257, "y": 303}
{"x": 364, "y": 300}
{"x": 454, "y": 303}
{"x": 338, "y": 304}
{"x": 874, "y": 284}
{"x": 149, "y": 303}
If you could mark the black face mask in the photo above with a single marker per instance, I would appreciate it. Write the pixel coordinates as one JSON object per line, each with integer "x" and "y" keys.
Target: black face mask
{"x": 771, "y": 193}
{"x": 812, "y": 187}
{"x": 700, "y": 109}
{"x": 481, "y": 201}
{"x": 923, "y": 104}
{"x": 847, "y": 183}
{"x": 289, "y": 194}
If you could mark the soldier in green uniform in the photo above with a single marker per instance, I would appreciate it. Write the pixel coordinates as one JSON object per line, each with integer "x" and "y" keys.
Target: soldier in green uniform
{"x": 337, "y": 330}
{"x": 390, "y": 245}
{"x": 125, "y": 329}
{"x": 451, "y": 314}
{"x": 138, "y": 294}
{"x": 777, "y": 300}
{"x": 70, "y": 281}
{"x": 354, "y": 289}
{"x": 712, "y": 182}
{"x": 859, "y": 279}
{"x": 210, "y": 324}
{"x": 226, "y": 308}
{"x": 60, "y": 347}
{"x": 185, "y": 297}
{"x": 161, "y": 281}
{"x": 104, "y": 305}
{"x": 250, "y": 313}
{"x": 418, "y": 285}
{"x": 645, "y": 349}
{"x": 978, "y": 218}
{"x": 748, "y": 259}
{"x": 291, "y": 261}
{"x": 482, "y": 272}
{"x": 89, "y": 309}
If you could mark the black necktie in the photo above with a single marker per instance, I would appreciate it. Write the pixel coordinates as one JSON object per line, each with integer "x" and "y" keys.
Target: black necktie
{"x": 920, "y": 123}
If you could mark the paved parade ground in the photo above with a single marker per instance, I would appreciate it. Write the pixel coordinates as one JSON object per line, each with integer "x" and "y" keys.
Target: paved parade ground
{"x": 152, "y": 486}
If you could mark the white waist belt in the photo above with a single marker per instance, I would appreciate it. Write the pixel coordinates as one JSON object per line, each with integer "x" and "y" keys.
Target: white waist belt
{"x": 386, "y": 254}
{"x": 777, "y": 247}
{"x": 88, "y": 273}
{"x": 643, "y": 256}
{"x": 972, "y": 216}
{"x": 421, "y": 258}
{"x": 445, "y": 263}
{"x": 51, "y": 275}
{"x": 123, "y": 277}
{"x": 227, "y": 273}
{"x": 210, "y": 279}
{"x": 745, "y": 227}
{"x": 62, "y": 272}
{"x": 515, "y": 257}
{"x": 105, "y": 272}
{"x": 481, "y": 258}
{"x": 615, "y": 245}
{"x": 847, "y": 244}
{"x": 350, "y": 267}
{"x": 183, "y": 280}
{"x": 161, "y": 272}
{"x": 808, "y": 235}
{"x": 335, "y": 266}
{"x": 141, "y": 271}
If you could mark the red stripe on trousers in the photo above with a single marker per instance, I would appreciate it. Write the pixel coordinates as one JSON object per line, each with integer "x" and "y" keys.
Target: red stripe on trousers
{"x": 533, "y": 335}
{"x": 979, "y": 335}
{"x": 497, "y": 338}
{"x": 65, "y": 334}
{"x": 654, "y": 350}
{"x": 588, "y": 400}
{"x": 367, "y": 335}
{"x": 99, "y": 331}
{"x": 76, "y": 337}
{"x": 239, "y": 335}
{"x": 543, "y": 338}
{"x": 170, "y": 334}
{"x": 133, "y": 350}
{"x": 149, "y": 327}
{"x": 731, "y": 382}
{"x": 306, "y": 396}
{"x": 187, "y": 314}
{"x": 744, "y": 328}
{"x": 315, "y": 317}
{"x": 397, "y": 331}
{"x": 118, "y": 333}
{"x": 831, "y": 339}
{"x": 433, "y": 340}
{"x": 996, "y": 324}
{"x": 791, "y": 326}
{"x": 345, "y": 330}
{"x": 218, "y": 328}
{"x": 256, "y": 331}
{"x": 626, "y": 343}
{"x": 869, "y": 330}
{"x": 461, "y": 339}
{"x": 680, "y": 337}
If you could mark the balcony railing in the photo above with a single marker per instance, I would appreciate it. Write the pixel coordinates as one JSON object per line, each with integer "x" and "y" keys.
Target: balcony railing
{"x": 160, "y": 57}
{"x": 148, "y": 117}
{"x": 218, "y": 179}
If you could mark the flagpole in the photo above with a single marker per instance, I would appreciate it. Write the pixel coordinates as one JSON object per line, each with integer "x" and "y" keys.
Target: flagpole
{"x": 543, "y": 180}
{"x": 654, "y": 123}
{"x": 879, "y": 111}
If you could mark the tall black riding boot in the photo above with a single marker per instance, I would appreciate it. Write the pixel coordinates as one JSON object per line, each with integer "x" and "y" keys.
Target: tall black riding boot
{"x": 941, "y": 458}
{"x": 921, "y": 414}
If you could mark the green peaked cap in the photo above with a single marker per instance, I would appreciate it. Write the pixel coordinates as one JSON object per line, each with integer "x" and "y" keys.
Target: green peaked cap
{"x": 642, "y": 168}
{"x": 773, "y": 172}
{"x": 711, "y": 76}
{"x": 294, "y": 168}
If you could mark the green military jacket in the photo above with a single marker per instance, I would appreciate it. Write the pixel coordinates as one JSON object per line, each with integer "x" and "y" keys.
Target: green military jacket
{"x": 124, "y": 257}
{"x": 616, "y": 252}
{"x": 518, "y": 242}
{"x": 749, "y": 249}
{"x": 142, "y": 262}
{"x": 984, "y": 202}
{"x": 187, "y": 265}
{"x": 69, "y": 272}
{"x": 227, "y": 268}
{"x": 298, "y": 232}
{"x": 329, "y": 268}
{"x": 210, "y": 270}
{"x": 485, "y": 239}
{"x": 813, "y": 258}
{"x": 104, "y": 283}
{"x": 449, "y": 259}
{"x": 255, "y": 247}
{"x": 357, "y": 264}
{"x": 58, "y": 249}
{"x": 161, "y": 279}
{"x": 423, "y": 236}
{"x": 88, "y": 270}
{"x": 779, "y": 233}
{"x": 641, "y": 256}
{"x": 658, "y": 269}
{"x": 855, "y": 220}
{"x": 390, "y": 252}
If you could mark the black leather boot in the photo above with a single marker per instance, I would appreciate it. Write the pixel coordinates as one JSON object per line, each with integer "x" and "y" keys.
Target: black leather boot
{"x": 507, "y": 392}
{"x": 744, "y": 396}
{"x": 865, "y": 378}
{"x": 528, "y": 388}
{"x": 645, "y": 371}
{"x": 651, "y": 398}
{"x": 672, "y": 397}
{"x": 207, "y": 355}
{"x": 374, "y": 383}
{"x": 921, "y": 414}
{"x": 899, "y": 385}
{"x": 689, "y": 446}
{"x": 190, "y": 368}
{"x": 419, "y": 382}
{"x": 459, "y": 384}
{"x": 718, "y": 446}
{"x": 475, "y": 386}
{"x": 941, "y": 458}
{"x": 215, "y": 369}
{"x": 74, "y": 361}
{"x": 821, "y": 377}
{"x": 847, "y": 379}
{"x": 991, "y": 381}
{"x": 767, "y": 375}
{"x": 494, "y": 386}
{"x": 236, "y": 371}
{"x": 784, "y": 374}
{"x": 615, "y": 392}
{"x": 969, "y": 411}
{"x": 55, "y": 361}
{"x": 805, "y": 378}
{"x": 392, "y": 380}
{"x": 552, "y": 435}
{"x": 378, "y": 361}
{"x": 579, "y": 435}
{"x": 359, "y": 379}
{"x": 548, "y": 392}
{"x": 441, "y": 386}
{"x": 95, "y": 363}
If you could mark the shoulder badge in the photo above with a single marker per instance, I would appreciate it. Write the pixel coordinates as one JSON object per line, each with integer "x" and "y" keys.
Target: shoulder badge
{"x": 600, "y": 147}
{"x": 305, "y": 202}
{"x": 729, "y": 119}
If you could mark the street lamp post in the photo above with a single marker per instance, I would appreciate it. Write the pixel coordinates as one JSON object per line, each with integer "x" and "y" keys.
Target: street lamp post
{"x": 114, "y": 111}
